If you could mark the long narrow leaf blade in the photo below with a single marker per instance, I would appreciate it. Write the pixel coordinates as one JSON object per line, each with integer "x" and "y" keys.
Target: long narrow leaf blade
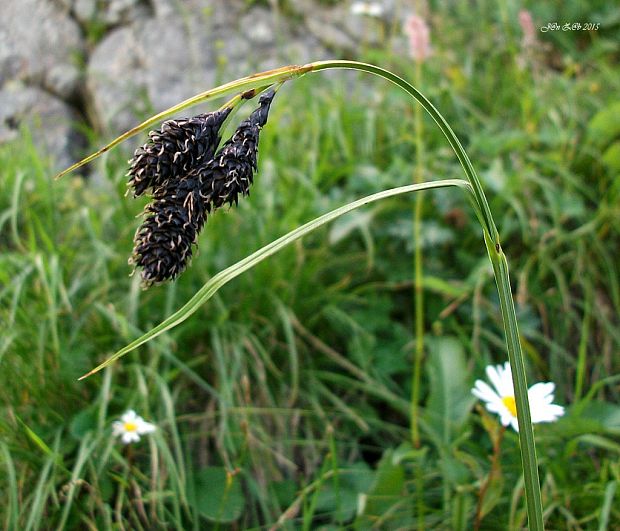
{"x": 225, "y": 276}
{"x": 253, "y": 81}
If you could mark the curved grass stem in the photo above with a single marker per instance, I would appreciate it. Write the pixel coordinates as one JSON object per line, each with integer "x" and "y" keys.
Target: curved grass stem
{"x": 502, "y": 278}
{"x": 223, "y": 277}
{"x": 481, "y": 207}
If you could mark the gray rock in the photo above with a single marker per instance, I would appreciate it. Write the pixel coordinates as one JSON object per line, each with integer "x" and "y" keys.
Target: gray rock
{"x": 155, "y": 63}
{"x": 115, "y": 81}
{"x": 37, "y": 37}
{"x": 10, "y": 62}
{"x": 125, "y": 11}
{"x": 339, "y": 29}
{"x": 109, "y": 13}
{"x": 178, "y": 61}
{"x": 154, "y": 53}
{"x": 165, "y": 8}
{"x": 84, "y": 10}
{"x": 145, "y": 68}
{"x": 331, "y": 35}
{"x": 258, "y": 26}
{"x": 365, "y": 30}
{"x": 50, "y": 121}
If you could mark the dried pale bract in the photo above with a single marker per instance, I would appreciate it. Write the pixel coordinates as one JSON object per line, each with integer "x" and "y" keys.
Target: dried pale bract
{"x": 174, "y": 150}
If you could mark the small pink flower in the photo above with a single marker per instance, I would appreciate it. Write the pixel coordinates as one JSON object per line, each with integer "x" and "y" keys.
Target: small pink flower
{"x": 527, "y": 27}
{"x": 418, "y": 34}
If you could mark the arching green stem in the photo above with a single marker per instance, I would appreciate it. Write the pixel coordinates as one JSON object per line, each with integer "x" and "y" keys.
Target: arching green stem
{"x": 487, "y": 219}
{"x": 481, "y": 207}
{"x": 502, "y": 278}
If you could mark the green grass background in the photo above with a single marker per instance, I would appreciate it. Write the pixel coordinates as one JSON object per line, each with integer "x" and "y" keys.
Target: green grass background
{"x": 285, "y": 400}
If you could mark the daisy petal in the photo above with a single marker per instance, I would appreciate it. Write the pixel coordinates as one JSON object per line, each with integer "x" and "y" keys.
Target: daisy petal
{"x": 483, "y": 391}
{"x": 548, "y": 413}
{"x": 145, "y": 427}
{"x": 129, "y": 416}
{"x": 501, "y": 378}
{"x": 542, "y": 391}
{"x": 130, "y": 436}
{"x": 496, "y": 407}
{"x": 505, "y": 417}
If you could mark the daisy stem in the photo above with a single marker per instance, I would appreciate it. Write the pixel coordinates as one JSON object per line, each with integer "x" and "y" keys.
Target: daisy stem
{"x": 497, "y": 446}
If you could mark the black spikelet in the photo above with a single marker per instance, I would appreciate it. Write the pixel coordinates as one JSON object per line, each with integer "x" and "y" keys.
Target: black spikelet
{"x": 175, "y": 150}
{"x": 188, "y": 183}
{"x": 231, "y": 172}
{"x": 163, "y": 243}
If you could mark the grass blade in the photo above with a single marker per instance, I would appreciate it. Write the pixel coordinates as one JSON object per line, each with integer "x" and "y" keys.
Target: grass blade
{"x": 610, "y": 491}
{"x": 225, "y": 276}
{"x": 245, "y": 83}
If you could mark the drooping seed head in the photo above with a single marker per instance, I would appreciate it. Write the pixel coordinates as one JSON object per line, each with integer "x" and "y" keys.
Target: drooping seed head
{"x": 174, "y": 150}
{"x": 231, "y": 172}
{"x": 188, "y": 192}
{"x": 163, "y": 243}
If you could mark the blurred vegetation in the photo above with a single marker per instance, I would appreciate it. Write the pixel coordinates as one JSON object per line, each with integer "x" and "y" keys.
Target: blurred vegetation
{"x": 285, "y": 400}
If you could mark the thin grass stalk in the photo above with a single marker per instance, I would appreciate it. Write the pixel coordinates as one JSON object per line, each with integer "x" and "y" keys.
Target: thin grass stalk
{"x": 580, "y": 373}
{"x": 418, "y": 302}
{"x": 526, "y": 433}
{"x": 502, "y": 278}
{"x": 417, "y": 267}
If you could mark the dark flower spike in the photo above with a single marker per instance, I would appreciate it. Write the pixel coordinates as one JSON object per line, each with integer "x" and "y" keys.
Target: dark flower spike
{"x": 174, "y": 150}
{"x": 231, "y": 172}
{"x": 163, "y": 243}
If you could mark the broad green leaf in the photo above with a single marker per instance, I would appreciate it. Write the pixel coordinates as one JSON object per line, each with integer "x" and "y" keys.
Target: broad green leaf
{"x": 339, "y": 503}
{"x": 218, "y": 495}
{"x": 450, "y": 398}
{"x": 605, "y": 126}
{"x": 611, "y": 157}
{"x": 387, "y": 490}
{"x": 83, "y": 422}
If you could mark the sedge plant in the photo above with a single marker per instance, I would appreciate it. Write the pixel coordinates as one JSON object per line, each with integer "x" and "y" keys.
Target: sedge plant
{"x": 247, "y": 88}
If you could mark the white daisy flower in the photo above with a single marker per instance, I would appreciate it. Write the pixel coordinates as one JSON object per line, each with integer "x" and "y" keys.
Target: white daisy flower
{"x": 369, "y": 9}
{"x": 500, "y": 398}
{"x": 131, "y": 426}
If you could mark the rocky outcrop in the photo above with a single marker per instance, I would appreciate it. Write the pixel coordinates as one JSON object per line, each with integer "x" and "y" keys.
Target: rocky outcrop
{"x": 115, "y": 62}
{"x": 51, "y": 122}
{"x": 154, "y": 63}
{"x": 47, "y": 55}
{"x": 40, "y": 75}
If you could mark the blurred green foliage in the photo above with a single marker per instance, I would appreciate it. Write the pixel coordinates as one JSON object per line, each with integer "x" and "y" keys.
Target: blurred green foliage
{"x": 285, "y": 400}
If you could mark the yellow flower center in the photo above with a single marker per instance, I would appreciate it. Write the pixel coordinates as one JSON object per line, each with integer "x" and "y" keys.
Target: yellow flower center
{"x": 131, "y": 426}
{"x": 511, "y": 405}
